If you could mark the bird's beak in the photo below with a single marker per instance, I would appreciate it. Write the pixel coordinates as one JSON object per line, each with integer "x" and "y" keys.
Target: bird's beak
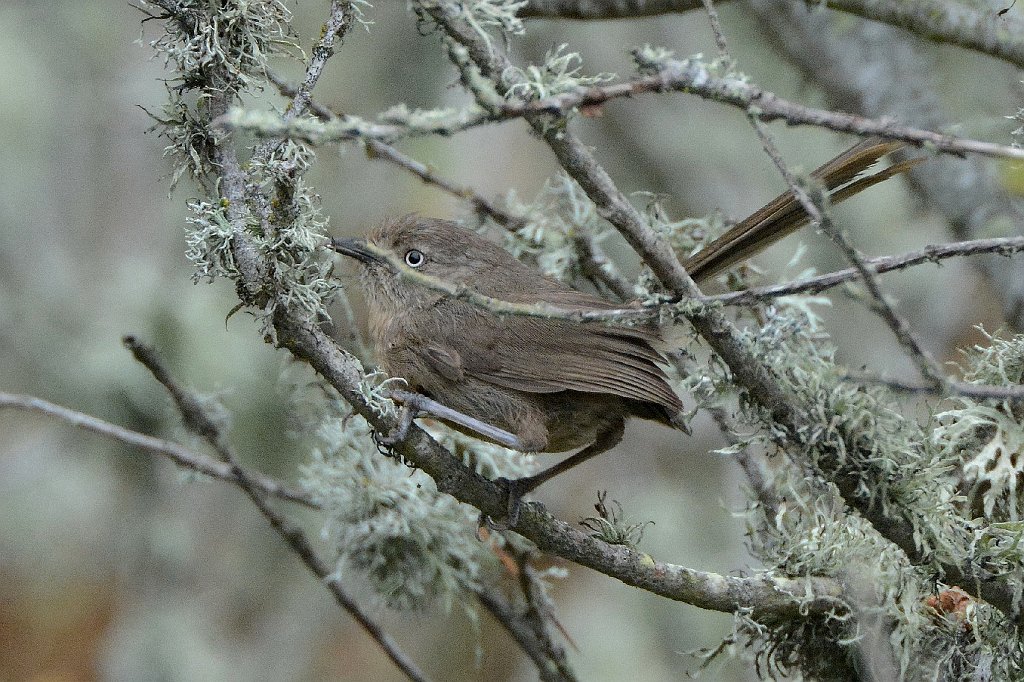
{"x": 354, "y": 248}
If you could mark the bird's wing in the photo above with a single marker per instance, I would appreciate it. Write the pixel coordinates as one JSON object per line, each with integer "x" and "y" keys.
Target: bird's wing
{"x": 545, "y": 356}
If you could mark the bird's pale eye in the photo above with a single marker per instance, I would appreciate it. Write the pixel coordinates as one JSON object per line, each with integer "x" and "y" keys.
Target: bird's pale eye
{"x": 414, "y": 258}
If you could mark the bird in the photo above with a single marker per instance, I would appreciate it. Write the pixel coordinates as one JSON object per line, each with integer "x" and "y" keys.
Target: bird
{"x": 541, "y": 384}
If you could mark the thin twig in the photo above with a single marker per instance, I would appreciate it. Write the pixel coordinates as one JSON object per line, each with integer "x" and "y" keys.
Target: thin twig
{"x": 338, "y": 23}
{"x": 596, "y": 266}
{"x": 668, "y": 308}
{"x": 197, "y": 419}
{"x": 950, "y": 389}
{"x": 716, "y": 28}
{"x": 930, "y": 254}
{"x": 694, "y": 77}
{"x": 548, "y": 668}
{"x": 753, "y": 465}
{"x": 175, "y": 452}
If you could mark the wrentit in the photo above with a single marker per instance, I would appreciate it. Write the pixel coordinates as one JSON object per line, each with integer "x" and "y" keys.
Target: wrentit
{"x": 532, "y": 383}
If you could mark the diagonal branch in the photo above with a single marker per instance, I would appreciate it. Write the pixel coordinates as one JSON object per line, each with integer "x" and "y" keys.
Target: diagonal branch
{"x": 179, "y": 454}
{"x": 197, "y": 419}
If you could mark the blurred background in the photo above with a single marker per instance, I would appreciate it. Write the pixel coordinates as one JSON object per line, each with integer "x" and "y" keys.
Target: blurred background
{"x": 114, "y": 565}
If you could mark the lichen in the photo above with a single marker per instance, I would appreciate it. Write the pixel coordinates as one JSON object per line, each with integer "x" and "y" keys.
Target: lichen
{"x": 416, "y": 546}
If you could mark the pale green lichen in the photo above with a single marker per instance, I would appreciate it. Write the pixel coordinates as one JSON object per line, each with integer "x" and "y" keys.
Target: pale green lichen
{"x": 442, "y": 121}
{"x": 610, "y": 524}
{"x": 414, "y": 545}
{"x": 289, "y": 243}
{"x": 559, "y": 212}
{"x": 1018, "y": 133}
{"x": 493, "y": 14}
{"x": 208, "y": 242}
{"x": 487, "y": 459}
{"x": 190, "y": 141}
{"x": 988, "y": 436}
{"x": 860, "y": 431}
{"x": 482, "y": 16}
{"x": 224, "y": 50}
{"x": 560, "y": 73}
{"x": 221, "y": 54}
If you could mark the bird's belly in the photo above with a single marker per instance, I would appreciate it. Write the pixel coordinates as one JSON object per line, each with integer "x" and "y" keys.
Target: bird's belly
{"x": 575, "y": 419}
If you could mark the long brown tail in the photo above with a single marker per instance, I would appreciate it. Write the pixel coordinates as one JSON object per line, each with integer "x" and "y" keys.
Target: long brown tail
{"x": 784, "y": 214}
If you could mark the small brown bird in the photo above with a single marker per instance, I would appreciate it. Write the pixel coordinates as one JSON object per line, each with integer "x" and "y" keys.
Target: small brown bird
{"x": 554, "y": 385}
{"x": 540, "y": 384}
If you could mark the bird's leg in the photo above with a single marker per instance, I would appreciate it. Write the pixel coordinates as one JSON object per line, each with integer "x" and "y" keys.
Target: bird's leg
{"x": 415, "y": 405}
{"x": 519, "y": 487}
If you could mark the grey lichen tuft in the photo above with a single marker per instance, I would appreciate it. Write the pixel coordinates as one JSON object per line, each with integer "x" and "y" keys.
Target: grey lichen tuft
{"x": 489, "y": 460}
{"x": 559, "y": 213}
{"x": 483, "y": 15}
{"x": 1018, "y": 132}
{"x": 415, "y": 546}
{"x": 610, "y": 524}
{"x": 807, "y": 530}
{"x": 560, "y": 73}
{"x": 289, "y": 242}
{"x": 988, "y": 436}
{"x": 225, "y": 49}
{"x": 208, "y": 242}
{"x": 854, "y": 430}
{"x": 685, "y": 235}
{"x": 190, "y": 141}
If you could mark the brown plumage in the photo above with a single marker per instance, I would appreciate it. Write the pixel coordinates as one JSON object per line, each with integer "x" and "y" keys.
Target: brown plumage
{"x": 553, "y": 385}
{"x": 785, "y": 214}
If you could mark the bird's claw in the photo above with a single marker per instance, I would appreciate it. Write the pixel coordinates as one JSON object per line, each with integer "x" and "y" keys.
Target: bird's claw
{"x": 515, "y": 490}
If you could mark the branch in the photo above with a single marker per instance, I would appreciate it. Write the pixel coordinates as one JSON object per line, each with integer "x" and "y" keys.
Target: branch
{"x": 178, "y": 454}
{"x": 694, "y": 77}
{"x": 1004, "y": 246}
{"x": 943, "y": 22}
{"x": 686, "y": 76}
